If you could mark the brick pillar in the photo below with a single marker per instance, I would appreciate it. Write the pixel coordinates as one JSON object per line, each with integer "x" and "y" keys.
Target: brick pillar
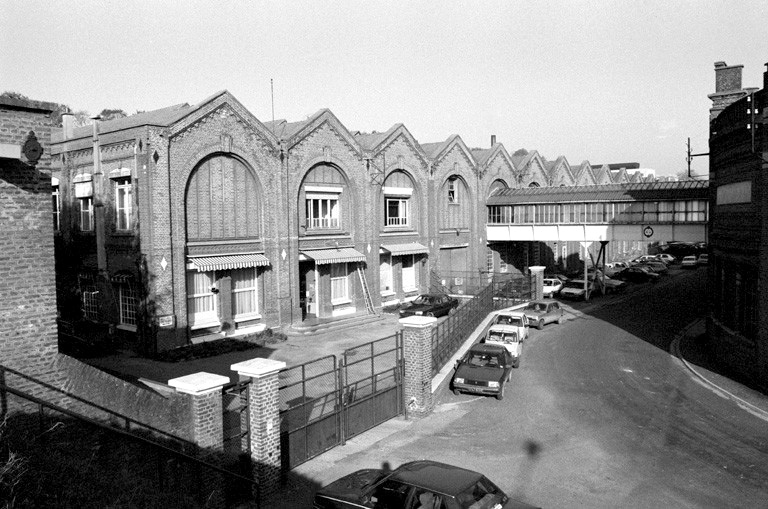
{"x": 205, "y": 389}
{"x": 537, "y": 281}
{"x": 264, "y": 413}
{"x": 417, "y": 351}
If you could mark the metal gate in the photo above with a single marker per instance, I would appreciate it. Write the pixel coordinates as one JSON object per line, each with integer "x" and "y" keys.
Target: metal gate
{"x": 323, "y": 403}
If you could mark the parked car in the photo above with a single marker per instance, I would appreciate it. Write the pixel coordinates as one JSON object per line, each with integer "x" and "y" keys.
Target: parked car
{"x": 617, "y": 266}
{"x": 689, "y": 262}
{"x": 574, "y": 289}
{"x": 484, "y": 369}
{"x": 430, "y": 304}
{"x": 510, "y": 337}
{"x": 552, "y": 286}
{"x": 413, "y": 485}
{"x": 541, "y": 312}
{"x": 703, "y": 259}
{"x": 657, "y": 267}
{"x": 613, "y": 285}
{"x": 644, "y": 258}
{"x": 666, "y": 258}
{"x": 636, "y": 274}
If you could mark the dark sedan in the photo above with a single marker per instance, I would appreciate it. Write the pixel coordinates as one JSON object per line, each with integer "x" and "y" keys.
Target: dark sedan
{"x": 636, "y": 274}
{"x": 484, "y": 369}
{"x": 415, "y": 485}
{"x": 430, "y": 304}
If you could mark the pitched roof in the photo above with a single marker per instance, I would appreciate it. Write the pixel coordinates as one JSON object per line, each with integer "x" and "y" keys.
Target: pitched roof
{"x": 432, "y": 149}
{"x": 687, "y": 190}
{"x": 481, "y": 155}
{"x": 369, "y": 141}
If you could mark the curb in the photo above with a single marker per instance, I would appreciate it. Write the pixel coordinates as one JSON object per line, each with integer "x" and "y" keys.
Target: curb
{"x": 674, "y": 349}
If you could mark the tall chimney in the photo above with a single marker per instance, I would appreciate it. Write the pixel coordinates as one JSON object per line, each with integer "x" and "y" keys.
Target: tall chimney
{"x": 68, "y": 125}
{"x": 727, "y": 77}
{"x": 493, "y": 140}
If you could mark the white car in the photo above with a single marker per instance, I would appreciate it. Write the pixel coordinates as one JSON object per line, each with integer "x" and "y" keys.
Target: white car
{"x": 688, "y": 261}
{"x": 666, "y": 258}
{"x": 552, "y": 286}
{"x": 510, "y": 337}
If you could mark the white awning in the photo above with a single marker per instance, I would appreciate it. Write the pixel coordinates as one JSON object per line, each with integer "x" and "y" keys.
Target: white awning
{"x": 405, "y": 249}
{"x": 224, "y": 262}
{"x": 340, "y": 255}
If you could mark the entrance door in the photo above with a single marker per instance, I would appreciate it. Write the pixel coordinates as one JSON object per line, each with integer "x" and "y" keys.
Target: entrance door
{"x": 307, "y": 289}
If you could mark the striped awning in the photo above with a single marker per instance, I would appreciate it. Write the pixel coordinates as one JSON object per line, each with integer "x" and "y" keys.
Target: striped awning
{"x": 224, "y": 262}
{"x": 405, "y": 249}
{"x": 340, "y": 255}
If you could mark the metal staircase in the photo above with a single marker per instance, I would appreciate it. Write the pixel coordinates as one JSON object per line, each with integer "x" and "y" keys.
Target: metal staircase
{"x": 366, "y": 291}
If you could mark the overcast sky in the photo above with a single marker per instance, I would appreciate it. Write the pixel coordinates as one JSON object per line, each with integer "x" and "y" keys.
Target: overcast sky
{"x": 605, "y": 81}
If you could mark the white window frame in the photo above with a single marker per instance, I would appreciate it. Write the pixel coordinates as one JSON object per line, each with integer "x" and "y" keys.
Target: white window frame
{"x": 408, "y": 274}
{"x": 86, "y": 214}
{"x": 402, "y": 218}
{"x": 210, "y": 317}
{"x": 323, "y": 211}
{"x": 252, "y": 289}
{"x": 89, "y": 299}
{"x": 127, "y": 305}
{"x": 56, "y": 195}
{"x": 385, "y": 274}
{"x": 339, "y": 284}
{"x": 123, "y": 212}
{"x": 453, "y": 196}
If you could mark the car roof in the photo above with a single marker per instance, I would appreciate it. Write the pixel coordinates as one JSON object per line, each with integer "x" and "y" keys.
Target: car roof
{"x": 514, "y": 314}
{"x": 539, "y": 302}
{"x": 503, "y": 328}
{"x": 486, "y": 348}
{"x": 438, "y": 477}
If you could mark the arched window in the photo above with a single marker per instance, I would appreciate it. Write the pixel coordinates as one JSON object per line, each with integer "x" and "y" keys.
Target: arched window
{"x": 534, "y": 184}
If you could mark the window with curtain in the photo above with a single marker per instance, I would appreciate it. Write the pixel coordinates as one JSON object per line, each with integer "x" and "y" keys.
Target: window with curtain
{"x": 201, "y": 301}
{"x": 385, "y": 274}
{"x": 339, "y": 282}
{"x": 86, "y": 214}
{"x": 322, "y": 211}
{"x": 409, "y": 273}
{"x": 245, "y": 303}
{"x": 123, "y": 204}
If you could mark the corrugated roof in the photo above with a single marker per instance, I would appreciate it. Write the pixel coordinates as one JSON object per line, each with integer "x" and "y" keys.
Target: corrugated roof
{"x": 224, "y": 262}
{"x": 340, "y": 255}
{"x": 405, "y": 249}
{"x": 642, "y": 191}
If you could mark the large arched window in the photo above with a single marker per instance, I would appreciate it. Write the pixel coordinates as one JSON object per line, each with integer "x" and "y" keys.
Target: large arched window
{"x": 455, "y": 203}
{"x": 496, "y": 186}
{"x": 222, "y": 200}
{"x": 323, "y": 200}
{"x": 401, "y": 205}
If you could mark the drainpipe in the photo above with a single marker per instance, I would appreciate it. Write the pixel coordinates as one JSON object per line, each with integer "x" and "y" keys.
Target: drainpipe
{"x": 98, "y": 203}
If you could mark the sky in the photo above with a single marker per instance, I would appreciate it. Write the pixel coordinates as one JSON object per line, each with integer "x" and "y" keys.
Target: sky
{"x": 609, "y": 82}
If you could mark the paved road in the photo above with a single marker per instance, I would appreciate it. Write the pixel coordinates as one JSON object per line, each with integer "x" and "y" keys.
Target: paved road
{"x": 601, "y": 415}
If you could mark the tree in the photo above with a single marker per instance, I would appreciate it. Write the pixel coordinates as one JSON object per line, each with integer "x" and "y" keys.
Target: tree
{"x": 111, "y": 114}
{"x": 520, "y": 152}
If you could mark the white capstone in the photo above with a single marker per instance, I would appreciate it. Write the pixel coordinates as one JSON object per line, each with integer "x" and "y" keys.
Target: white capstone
{"x": 199, "y": 383}
{"x": 418, "y": 322}
{"x": 257, "y": 367}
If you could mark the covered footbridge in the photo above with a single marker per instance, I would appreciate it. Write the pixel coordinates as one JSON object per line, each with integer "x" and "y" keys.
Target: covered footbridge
{"x": 559, "y": 227}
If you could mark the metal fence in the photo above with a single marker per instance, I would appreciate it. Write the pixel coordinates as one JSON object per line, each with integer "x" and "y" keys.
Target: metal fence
{"x": 323, "y": 403}
{"x": 450, "y": 334}
{"x": 113, "y": 454}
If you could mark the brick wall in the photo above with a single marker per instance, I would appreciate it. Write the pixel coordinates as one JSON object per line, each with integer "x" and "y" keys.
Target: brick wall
{"x": 28, "y": 336}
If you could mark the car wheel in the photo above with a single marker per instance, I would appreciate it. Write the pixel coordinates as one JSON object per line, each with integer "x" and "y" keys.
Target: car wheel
{"x": 540, "y": 325}
{"x": 500, "y": 394}
{"x": 456, "y": 392}
{"x": 515, "y": 365}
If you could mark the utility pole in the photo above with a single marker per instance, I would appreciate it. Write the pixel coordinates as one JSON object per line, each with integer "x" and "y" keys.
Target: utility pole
{"x": 691, "y": 156}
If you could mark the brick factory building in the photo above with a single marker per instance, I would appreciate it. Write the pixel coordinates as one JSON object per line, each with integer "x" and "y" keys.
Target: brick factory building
{"x": 737, "y": 326}
{"x": 197, "y": 222}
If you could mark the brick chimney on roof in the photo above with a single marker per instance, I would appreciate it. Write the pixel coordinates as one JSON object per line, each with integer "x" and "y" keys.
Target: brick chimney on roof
{"x": 727, "y": 88}
{"x": 493, "y": 140}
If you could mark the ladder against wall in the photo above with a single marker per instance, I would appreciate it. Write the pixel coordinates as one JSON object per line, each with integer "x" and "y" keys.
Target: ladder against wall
{"x": 366, "y": 291}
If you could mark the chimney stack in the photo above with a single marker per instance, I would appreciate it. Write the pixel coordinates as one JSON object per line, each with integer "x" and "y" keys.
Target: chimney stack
{"x": 493, "y": 140}
{"x": 727, "y": 77}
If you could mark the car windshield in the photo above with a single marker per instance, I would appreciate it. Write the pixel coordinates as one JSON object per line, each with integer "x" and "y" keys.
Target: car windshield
{"x": 575, "y": 284}
{"x": 536, "y": 306}
{"x": 483, "y": 359}
{"x": 482, "y": 495}
{"x": 508, "y": 320}
{"x": 424, "y": 299}
{"x": 504, "y": 337}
